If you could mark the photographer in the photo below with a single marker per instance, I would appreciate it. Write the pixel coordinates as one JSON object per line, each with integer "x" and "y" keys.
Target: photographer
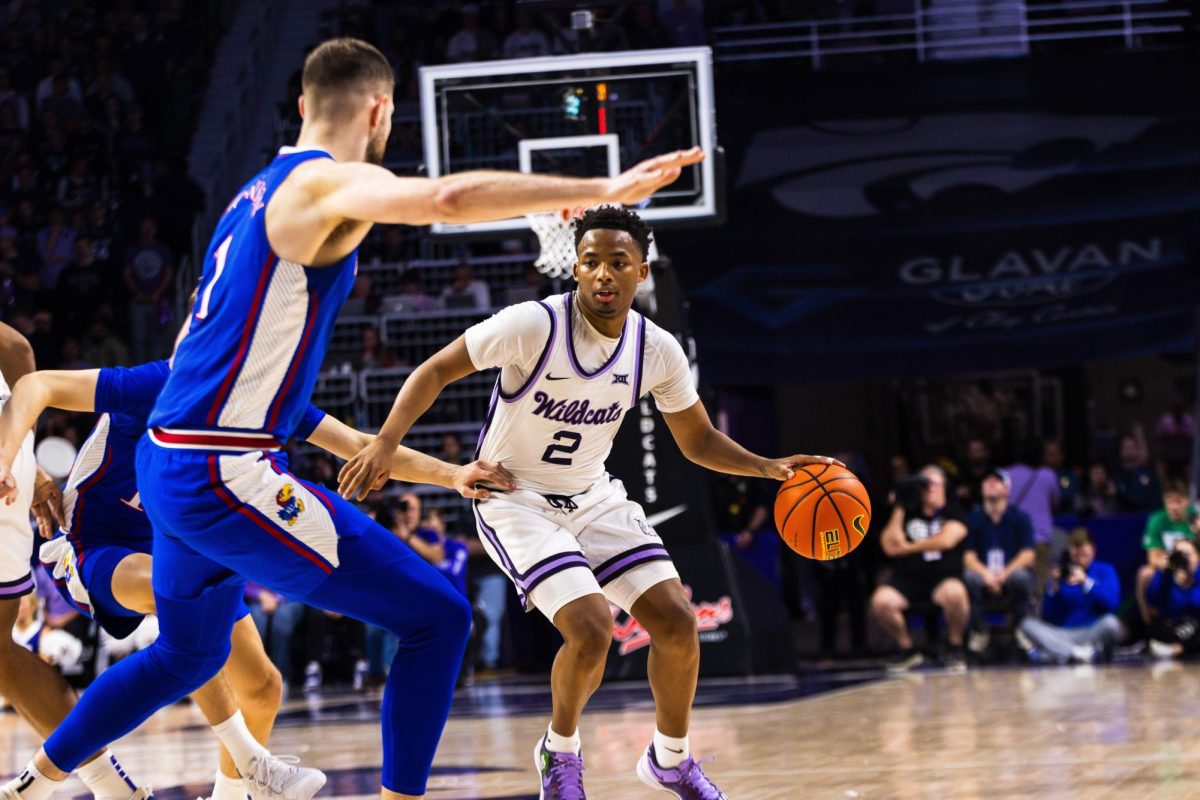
{"x": 999, "y": 558}
{"x": 1175, "y": 604}
{"x": 924, "y": 537}
{"x": 1077, "y": 613}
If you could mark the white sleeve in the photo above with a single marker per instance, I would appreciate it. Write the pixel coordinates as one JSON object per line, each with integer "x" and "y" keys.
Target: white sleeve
{"x": 668, "y": 373}
{"x": 513, "y": 337}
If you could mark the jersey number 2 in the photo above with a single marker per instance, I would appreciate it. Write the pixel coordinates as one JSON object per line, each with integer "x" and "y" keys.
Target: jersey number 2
{"x": 572, "y": 438}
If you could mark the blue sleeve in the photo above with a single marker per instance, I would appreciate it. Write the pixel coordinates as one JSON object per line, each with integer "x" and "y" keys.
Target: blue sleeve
{"x": 1053, "y": 607}
{"x": 1024, "y": 531}
{"x": 1155, "y": 595}
{"x": 1106, "y": 589}
{"x": 308, "y": 422}
{"x": 131, "y": 390}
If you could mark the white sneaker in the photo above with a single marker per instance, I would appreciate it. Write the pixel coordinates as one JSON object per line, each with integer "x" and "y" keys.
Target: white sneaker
{"x": 978, "y": 641}
{"x": 278, "y": 778}
{"x": 1163, "y": 650}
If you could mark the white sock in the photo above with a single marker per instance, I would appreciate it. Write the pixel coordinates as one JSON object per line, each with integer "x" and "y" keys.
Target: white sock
{"x": 226, "y": 788}
{"x": 557, "y": 743}
{"x": 670, "y": 752}
{"x": 31, "y": 784}
{"x": 236, "y": 737}
{"x": 106, "y": 778}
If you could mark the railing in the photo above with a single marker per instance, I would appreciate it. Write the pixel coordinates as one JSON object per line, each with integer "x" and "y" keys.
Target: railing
{"x": 955, "y": 30}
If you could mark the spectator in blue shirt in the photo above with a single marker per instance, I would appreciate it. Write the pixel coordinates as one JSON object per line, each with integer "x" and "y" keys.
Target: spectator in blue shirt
{"x": 1174, "y": 594}
{"x": 1077, "y": 613}
{"x": 999, "y": 558}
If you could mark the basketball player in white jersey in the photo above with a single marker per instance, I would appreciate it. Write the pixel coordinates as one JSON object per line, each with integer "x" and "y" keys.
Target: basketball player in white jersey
{"x": 571, "y": 366}
{"x": 33, "y": 687}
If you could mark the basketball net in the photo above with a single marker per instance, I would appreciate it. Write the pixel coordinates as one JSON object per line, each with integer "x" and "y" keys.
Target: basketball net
{"x": 556, "y": 237}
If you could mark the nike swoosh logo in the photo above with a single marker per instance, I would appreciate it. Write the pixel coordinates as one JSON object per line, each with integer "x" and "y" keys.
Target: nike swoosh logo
{"x": 550, "y": 377}
{"x": 673, "y": 750}
{"x": 654, "y": 520}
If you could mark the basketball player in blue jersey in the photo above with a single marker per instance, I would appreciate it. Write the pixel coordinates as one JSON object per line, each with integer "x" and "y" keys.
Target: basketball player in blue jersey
{"x": 102, "y": 561}
{"x": 36, "y": 690}
{"x": 219, "y": 495}
{"x": 569, "y": 538}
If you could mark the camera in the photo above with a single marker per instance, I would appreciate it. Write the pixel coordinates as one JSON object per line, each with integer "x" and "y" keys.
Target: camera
{"x": 1065, "y": 565}
{"x": 908, "y": 492}
{"x": 1178, "y": 560}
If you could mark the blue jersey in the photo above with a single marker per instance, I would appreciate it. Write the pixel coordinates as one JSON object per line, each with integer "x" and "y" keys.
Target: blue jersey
{"x": 100, "y": 501}
{"x": 259, "y": 327}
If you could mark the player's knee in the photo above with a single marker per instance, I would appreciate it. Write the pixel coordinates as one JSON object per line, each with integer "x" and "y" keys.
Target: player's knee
{"x": 590, "y": 635}
{"x": 677, "y": 628}
{"x": 187, "y": 670}
{"x": 266, "y": 692}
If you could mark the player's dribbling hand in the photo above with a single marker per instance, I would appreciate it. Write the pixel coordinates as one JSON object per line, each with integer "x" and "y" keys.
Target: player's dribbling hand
{"x": 647, "y": 177}
{"x": 367, "y": 471}
{"x": 46, "y": 504}
{"x": 473, "y": 480}
{"x": 781, "y": 469}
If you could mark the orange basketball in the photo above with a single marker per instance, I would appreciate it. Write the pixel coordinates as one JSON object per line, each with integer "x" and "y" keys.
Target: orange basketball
{"x": 822, "y": 511}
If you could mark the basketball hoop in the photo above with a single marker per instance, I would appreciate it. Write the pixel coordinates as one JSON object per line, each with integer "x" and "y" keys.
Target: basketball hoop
{"x": 556, "y": 238}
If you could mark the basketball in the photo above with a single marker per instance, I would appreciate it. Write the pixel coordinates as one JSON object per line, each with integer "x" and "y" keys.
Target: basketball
{"x": 823, "y": 511}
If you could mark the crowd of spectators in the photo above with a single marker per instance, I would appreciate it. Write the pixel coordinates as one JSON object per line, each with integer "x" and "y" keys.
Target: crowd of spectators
{"x": 96, "y": 208}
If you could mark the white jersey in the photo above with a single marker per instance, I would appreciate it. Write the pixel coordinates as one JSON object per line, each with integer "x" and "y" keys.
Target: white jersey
{"x": 16, "y": 533}
{"x": 564, "y": 389}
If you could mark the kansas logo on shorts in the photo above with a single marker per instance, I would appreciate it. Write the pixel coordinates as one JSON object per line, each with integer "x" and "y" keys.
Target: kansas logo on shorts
{"x": 290, "y": 506}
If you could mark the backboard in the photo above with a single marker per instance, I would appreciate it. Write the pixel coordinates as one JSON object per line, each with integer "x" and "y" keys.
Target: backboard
{"x": 587, "y": 115}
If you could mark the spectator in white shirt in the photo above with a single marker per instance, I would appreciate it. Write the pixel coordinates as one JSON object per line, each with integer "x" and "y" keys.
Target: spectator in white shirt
{"x": 466, "y": 291}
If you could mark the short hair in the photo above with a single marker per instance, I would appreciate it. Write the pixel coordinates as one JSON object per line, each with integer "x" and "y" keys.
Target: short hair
{"x": 1175, "y": 487}
{"x": 618, "y": 219}
{"x": 933, "y": 472}
{"x": 1079, "y": 537}
{"x": 340, "y": 68}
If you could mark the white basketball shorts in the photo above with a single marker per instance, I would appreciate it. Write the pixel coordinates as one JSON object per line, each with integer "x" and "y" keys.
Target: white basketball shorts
{"x": 557, "y": 549}
{"x": 16, "y": 533}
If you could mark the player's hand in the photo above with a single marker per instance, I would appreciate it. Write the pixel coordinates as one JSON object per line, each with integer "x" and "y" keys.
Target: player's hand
{"x": 647, "y": 177}
{"x": 46, "y": 504}
{"x": 782, "y": 469}
{"x": 8, "y": 485}
{"x": 473, "y": 480}
{"x": 367, "y": 471}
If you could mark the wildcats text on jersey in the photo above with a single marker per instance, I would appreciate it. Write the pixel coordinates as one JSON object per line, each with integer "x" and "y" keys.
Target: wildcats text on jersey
{"x": 575, "y": 412}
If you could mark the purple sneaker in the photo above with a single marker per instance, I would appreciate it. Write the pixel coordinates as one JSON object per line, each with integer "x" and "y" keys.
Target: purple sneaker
{"x": 561, "y": 773}
{"x": 687, "y": 781}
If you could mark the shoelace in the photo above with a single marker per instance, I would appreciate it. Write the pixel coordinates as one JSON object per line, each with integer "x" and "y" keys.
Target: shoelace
{"x": 694, "y": 778}
{"x": 566, "y": 776}
{"x": 271, "y": 771}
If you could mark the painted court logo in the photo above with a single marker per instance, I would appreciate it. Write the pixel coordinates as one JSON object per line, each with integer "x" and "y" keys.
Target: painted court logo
{"x": 629, "y": 634}
{"x": 290, "y": 506}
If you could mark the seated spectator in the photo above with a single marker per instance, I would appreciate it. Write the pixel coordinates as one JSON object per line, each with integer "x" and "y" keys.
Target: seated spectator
{"x": 467, "y": 291}
{"x": 1176, "y": 432}
{"x": 361, "y": 301}
{"x": 684, "y": 24}
{"x": 55, "y": 247}
{"x": 374, "y": 354}
{"x": 1078, "y": 622}
{"x": 452, "y": 450}
{"x": 925, "y": 538}
{"x": 101, "y": 348}
{"x": 1101, "y": 499}
{"x": 526, "y": 41}
{"x": 999, "y": 557}
{"x": 1137, "y": 483}
{"x": 473, "y": 42}
{"x": 413, "y": 297}
{"x": 1176, "y": 521}
{"x": 82, "y": 288}
{"x": 977, "y": 462}
{"x": 1175, "y": 599}
{"x": 1071, "y": 499}
{"x": 533, "y": 286}
{"x": 276, "y": 618}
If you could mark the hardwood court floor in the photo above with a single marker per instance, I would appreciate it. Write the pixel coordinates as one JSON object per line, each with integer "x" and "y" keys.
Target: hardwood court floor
{"x": 1115, "y": 732}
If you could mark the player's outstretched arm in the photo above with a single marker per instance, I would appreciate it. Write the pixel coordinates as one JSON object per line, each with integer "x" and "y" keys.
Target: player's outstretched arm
{"x": 413, "y": 466}
{"x": 370, "y": 193}
{"x": 71, "y": 390}
{"x": 368, "y": 469}
{"x": 703, "y": 444}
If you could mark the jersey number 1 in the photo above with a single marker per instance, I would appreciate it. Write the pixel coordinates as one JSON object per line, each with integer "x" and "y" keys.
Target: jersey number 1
{"x": 572, "y": 438}
{"x": 219, "y": 257}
